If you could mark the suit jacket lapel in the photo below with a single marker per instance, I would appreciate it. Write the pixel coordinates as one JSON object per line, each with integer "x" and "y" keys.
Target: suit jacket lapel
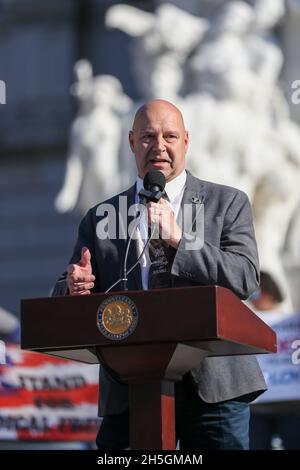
{"x": 192, "y": 203}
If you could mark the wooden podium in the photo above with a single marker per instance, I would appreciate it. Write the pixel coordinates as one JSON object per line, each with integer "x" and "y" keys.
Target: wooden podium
{"x": 175, "y": 329}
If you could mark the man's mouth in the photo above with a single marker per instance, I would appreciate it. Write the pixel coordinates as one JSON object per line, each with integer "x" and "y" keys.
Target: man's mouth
{"x": 159, "y": 161}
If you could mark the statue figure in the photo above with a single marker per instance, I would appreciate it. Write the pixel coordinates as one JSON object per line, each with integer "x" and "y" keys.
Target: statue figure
{"x": 242, "y": 121}
{"x": 156, "y": 46}
{"x": 93, "y": 162}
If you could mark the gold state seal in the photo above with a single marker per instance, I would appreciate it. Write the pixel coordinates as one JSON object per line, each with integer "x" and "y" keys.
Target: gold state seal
{"x": 117, "y": 317}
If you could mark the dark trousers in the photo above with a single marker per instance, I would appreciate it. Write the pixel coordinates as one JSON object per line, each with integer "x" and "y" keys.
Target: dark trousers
{"x": 199, "y": 425}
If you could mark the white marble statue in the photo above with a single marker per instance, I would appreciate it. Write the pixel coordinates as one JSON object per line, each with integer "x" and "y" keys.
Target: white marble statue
{"x": 290, "y": 137}
{"x": 157, "y": 49}
{"x": 237, "y": 44}
{"x": 242, "y": 121}
{"x": 84, "y": 78}
{"x": 225, "y": 85}
{"x": 93, "y": 163}
{"x": 292, "y": 72}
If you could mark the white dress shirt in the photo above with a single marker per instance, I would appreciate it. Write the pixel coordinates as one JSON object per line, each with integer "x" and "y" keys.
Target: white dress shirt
{"x": 174, "y": 189}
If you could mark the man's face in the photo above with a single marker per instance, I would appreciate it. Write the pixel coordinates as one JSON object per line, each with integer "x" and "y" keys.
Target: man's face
{"x": 159, "y": 140}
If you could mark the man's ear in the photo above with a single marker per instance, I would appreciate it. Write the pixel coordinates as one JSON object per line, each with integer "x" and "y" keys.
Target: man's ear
{"x": 131, "y": 140}
{"x": 186, "y": 140}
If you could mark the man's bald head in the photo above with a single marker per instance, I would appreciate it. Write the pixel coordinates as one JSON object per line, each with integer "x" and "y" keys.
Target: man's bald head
{"x": 155, "y": 105}
{"x": 158, "y": 139}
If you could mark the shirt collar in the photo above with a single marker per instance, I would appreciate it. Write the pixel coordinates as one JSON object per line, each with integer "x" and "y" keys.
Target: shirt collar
{"x": 173, "y": 188}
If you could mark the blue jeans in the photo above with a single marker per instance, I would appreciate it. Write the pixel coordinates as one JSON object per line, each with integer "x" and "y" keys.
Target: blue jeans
{"x": 199, "y": 425}
{"x": 213, "y": 426}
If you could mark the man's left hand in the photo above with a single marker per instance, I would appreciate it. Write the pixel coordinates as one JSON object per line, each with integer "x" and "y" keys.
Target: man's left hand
{"x": 161, "y": 213}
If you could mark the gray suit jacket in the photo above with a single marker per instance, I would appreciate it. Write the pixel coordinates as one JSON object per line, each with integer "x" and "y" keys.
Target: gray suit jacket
{"x": 228, "y": 258}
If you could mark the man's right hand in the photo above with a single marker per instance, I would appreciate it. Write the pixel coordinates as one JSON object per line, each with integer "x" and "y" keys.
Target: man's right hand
{"x": 79, "y": 276}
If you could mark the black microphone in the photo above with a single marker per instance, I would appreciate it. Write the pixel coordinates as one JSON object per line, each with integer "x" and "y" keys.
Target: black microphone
{"x": 154, "y": 187}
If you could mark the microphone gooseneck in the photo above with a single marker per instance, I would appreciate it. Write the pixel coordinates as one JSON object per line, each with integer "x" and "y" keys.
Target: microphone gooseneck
{"x": 154, "y": 186}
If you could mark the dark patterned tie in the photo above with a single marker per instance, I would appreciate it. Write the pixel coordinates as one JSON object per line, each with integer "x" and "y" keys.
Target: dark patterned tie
{"x": 161, "y": 256}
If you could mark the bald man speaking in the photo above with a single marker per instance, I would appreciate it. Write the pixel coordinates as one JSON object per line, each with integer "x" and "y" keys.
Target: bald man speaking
{"x": 212, "y": 400}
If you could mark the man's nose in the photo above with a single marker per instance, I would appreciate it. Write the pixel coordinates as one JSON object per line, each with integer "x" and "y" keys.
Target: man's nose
{"x": 159, "y": 144}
